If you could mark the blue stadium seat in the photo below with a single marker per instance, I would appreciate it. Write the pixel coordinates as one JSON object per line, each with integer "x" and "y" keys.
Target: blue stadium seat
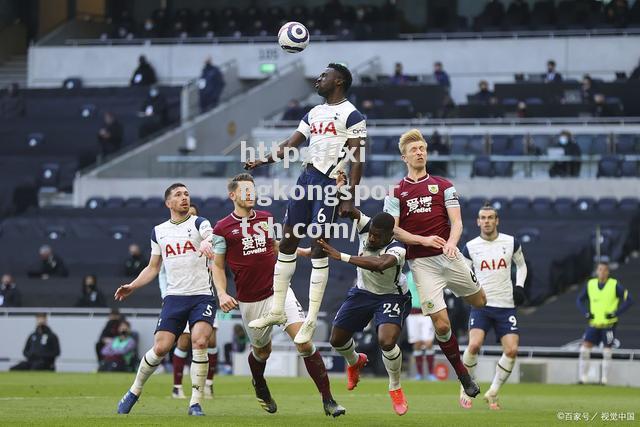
{"x": 629, "y": 169}
{"x": 95, "y": 203}
{"x": 376, "y": 168}
{"x": 609, "y": 167}
{"x": 55, "y": 231}
{"x": 563, "y": 205}
{"x": 500, "y": 144}
{"x": 500, "y": 203}
{"x": 378, "y": 144}
{"x": 517, "y": 146}
{"x": 503, "y": 169}
{"x": 114, "y": 202}
{"x": 541, "y": 205}
{"x": 134, "y": 202}
{"x": 584, "y": 142}
{"x": 49, "y": 178}
{"x": 198, "y": 201}
{"x": 482, "y": 167}
{"x": 528, "y": 235}
{"x": 458, "y": 144}
{"x": 154, "y": 203}
{"x": 585, "y": 204}
{"x": 520, "y": 204}
{"x": 629, "y": 204}
{"x": 474, "y": 204}
{"x": 510, "y": 101}
{"x": 607, "y": 204}
{"x": 119, "y": 232}
{"x": 35, "y": 139}
{"x": 600, "y": 145}
{"x": 626, "y": 144}
{"x": 533, "y": 101}
{"x": 541, "y": 142}
{"x": 477, "y": 145}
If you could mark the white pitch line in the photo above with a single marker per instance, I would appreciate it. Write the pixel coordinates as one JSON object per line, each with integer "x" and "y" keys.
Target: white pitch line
{"x": 53, "y": 397}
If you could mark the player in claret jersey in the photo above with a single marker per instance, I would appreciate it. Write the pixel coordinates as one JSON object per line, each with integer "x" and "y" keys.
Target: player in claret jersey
{"x": 428, "y": 221}
{"x": 491, "y": 255}
{"x": 178, "y": 244}
{"x": 334, "y": 129}
{"x": 241, "y": 241}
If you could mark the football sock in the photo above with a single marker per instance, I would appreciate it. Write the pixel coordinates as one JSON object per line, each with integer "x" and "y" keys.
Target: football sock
{"x": 318, "y": 372}
{"x": 149, "y": 363}
{"x": 430, "y": 355}
{"x": 317, "y": 284}
{"x": 199, "y": 368}
{"x": 257, "y": 367}
{"x": 393, "y": 363}
{"x": 470, "y": 361}
{"x": 607, "y": 355}
{"x": 503, "y": 370}
{"x": 348, "y": 351}
{"x": 178, "y": 362}
{"x": 583, "y": 362}
{"x": 419, "y": 356}
{"x": 449, "y": 346}
{"x": 283, "y": 272}
{"x": 212, "y": 354}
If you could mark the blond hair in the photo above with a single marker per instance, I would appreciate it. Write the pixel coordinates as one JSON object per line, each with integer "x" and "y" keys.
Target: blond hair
{"x": 408, "y": 137}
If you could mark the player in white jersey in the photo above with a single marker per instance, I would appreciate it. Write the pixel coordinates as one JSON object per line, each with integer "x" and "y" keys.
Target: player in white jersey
{"x": 178, "y": 244}
{"x": 335, "y": 131}
{"x": 490, "y": 255}
{"x": 380, "y": 295}
{"x": 183, "y": 343}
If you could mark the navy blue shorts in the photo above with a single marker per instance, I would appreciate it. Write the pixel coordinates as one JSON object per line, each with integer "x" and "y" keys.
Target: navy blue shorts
{"x": 318, "y": 210}
{"x": 502, "y": 320}
{"x": 177, "y": 310}
{"x": 361, "y": 306}
{"x": 606, "y": 336}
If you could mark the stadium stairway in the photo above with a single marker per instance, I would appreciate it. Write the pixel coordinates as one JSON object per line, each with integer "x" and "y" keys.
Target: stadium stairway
{"x": 14, "y": 71}
{"x": 217, "y": 132}
{"x": 558, "y": 322}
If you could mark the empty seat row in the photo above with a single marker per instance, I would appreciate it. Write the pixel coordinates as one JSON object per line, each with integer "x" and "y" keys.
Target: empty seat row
{"x": 560, "y": 205}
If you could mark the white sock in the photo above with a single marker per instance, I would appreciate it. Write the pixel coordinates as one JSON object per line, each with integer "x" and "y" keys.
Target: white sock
{"x": 148, "y": 365}
{"x": 348, "y": 351}
{"x": 607, "y": 355}
{"x": 393, "y": 363}
{"x": 583, "y": 362}
{"x": 283, "y": 272}
{"x": 444, "y": 338}
{"x": 199, "y": 369}
{"x": 180, "y": 353}
{"x": 317, "y": 284}
{"x": 470, "y": 361}
{"x": 503, "y": 370}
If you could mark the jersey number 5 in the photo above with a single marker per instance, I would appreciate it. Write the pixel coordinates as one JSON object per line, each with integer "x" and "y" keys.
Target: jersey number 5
{"x": 208, "y": 312}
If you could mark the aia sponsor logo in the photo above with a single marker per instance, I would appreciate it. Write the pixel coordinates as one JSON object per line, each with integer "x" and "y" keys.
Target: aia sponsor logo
{"x": 179, "y": 249}
{"x": 321, "y": 128}
{"x": 492, "y": 264}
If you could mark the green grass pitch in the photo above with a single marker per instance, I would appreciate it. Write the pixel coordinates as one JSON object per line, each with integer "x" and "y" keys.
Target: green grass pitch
{"x": 91, "y": 399}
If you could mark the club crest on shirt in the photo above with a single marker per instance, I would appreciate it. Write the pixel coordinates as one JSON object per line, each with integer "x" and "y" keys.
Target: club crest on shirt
{"x": 433, "y": 188}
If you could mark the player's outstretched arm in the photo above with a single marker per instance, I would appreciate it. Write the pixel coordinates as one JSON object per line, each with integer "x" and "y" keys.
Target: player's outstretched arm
{"x": 293, "y": 141}
{"x": 372, "y": 263}
{"x": 149, "y": 273}
{"x": 407, "y": 238}
{"x": 226, "y": 301}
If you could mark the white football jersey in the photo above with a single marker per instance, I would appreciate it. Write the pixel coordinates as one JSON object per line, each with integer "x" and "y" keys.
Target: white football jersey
{"x": 178, "y": 243}
{"x": 327, "y": 127}
{"x": 391, "y": 280}
{"x": 491, "y": 261}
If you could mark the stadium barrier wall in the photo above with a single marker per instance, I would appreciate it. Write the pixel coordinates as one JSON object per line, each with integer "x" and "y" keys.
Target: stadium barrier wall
{"x": 466, "y": 61}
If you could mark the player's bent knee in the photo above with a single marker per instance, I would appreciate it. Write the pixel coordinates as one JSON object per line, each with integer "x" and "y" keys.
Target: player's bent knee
{"x": 200, "y": 342}
{"x": 386, "y": 344}
{"x": 511, "y": 352}
{"x": 474, "y": 348}
{"x": 305, "y": 349}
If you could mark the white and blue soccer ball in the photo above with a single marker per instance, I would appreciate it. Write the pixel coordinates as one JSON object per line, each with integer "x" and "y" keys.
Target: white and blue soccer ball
{"x": 293, "y": 37}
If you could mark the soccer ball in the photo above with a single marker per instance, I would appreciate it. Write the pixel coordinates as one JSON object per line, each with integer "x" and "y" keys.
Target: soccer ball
{"x": 293, "y": 37}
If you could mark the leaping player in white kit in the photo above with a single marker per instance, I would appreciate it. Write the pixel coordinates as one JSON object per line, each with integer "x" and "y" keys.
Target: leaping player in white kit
{"x": 333, "y": 129}
{"x": 491, "y": 254}
{"x": 176, "y": 243}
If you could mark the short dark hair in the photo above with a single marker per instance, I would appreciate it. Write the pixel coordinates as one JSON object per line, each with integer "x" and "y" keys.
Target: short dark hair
{"x": 489, "y": 207}
{"x": 233, "y": 184}
{"x": 172, "y": 187}
{"x": 605, "y": 263}
{"x": 551, "y": 62}
{"x": 344, "y": 73}
{"x": 383, "y": 221}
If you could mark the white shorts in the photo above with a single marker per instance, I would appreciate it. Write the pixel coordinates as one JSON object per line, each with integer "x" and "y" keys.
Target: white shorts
{"x": 253, "y": 310}
{"x": 188, "y": 331}
{"x": 433, "y": 274}
{"x": 420, "y": 328}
